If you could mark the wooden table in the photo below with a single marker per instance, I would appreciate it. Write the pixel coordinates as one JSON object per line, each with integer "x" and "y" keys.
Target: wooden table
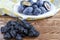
{"x": 49, "y": 28}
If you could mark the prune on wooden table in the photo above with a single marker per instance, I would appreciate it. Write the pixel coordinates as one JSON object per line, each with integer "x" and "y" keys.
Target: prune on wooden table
{"x": 26, "y": 24}
{"x": 18, "y": 37}
{"x": 11, "y": 23}
{"x": 4, "y": 29}
{"x": 13, "y": 33}
{"x": 7, "y": 36}
{"x": 33, "y": 33}
{"x": 17, "y": 30}
{"x": 23, "y": 35}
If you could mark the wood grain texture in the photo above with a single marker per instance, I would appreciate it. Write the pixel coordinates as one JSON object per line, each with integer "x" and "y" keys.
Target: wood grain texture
{"x": 49, "y": 28}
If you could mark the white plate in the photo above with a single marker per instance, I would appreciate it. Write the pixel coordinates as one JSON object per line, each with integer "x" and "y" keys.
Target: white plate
{"x": 48, "y": 14}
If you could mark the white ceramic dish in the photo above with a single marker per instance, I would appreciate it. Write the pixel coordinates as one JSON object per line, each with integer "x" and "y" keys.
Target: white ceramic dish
{"x": 45, "y": 15}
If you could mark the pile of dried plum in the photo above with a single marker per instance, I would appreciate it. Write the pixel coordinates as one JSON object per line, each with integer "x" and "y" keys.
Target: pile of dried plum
{"x": 34, "y": 8}
{"x": 18, "y": 30}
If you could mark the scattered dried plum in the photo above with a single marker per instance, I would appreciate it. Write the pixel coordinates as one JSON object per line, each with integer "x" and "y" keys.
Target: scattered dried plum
{"x": 4, "y": 29}
{"x": 13, "y": 33}
{"x": 14, "y": 29}
{"x": 18, "y": 37}
{"x": 7, "y": 36}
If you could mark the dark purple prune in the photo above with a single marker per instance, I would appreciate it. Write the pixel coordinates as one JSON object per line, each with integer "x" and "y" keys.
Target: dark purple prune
{"x": 28, "y": 11}
{"x": 8, "y": 28}
{"x": 12, "y": 27}
{"x": 43, "y": 10}
{"x": 13, "y": 33}
{"x": 25, "y": 31}
{"x": 34, "y": 6}
{"x": 47, "y": 5}
{"x": 18, "y": 37}
{"x": 16, "y": 27}
{"x": 37, "y": 11}
{"x": 4, "y": 29}
{"x": 21, "y": 29}
{"x": 7, "y": 36}
{"x": 20, "y": 9}
{"x": 25, "y": 24}
{"x": 39, "y": 3}
{"x": 23, "y": 35}
{"x": 33, "y": 33}
{"x": 16, "y": 30}
{"x": 11, "y": 23}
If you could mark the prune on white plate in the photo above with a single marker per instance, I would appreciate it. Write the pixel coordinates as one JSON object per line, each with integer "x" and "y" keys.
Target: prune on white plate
{"x": 28, "y": 11}
{"x": 37, "y": 11}
{"x": 47, "y": 5}
{"x": 39, "y": 3}
{"x": 20, "y": 9}
{"x": 34, "y": 6}
{"x": 43, "y": 10}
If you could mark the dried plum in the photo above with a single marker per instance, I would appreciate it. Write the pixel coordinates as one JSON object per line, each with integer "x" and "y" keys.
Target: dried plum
{"x": 47, "y": 5}
{"x": 26, "y": 24}
{"x": 13, "y": 33}
{"x": 7, "y": 36}
{"x": 14, "y": 29}
{"x": 28, "y": 11}
{"x": 37, "y": 11}
{"x": 33, "y": 33}
{"x": 43, "y": 10}
{"x": 18, "y": 37}
{"x": 4, "y": 29}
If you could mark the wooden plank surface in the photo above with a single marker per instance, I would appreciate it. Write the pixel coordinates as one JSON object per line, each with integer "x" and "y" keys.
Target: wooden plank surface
{"x": 49, "y": 28}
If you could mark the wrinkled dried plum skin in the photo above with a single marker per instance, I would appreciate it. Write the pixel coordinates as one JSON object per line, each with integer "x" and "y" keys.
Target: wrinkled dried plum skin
{"x": 18, "y": 30}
